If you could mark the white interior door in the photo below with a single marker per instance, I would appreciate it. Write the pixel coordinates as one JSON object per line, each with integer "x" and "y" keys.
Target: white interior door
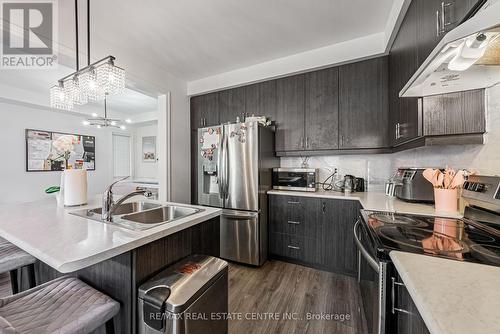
{"x": 122, "y": 156}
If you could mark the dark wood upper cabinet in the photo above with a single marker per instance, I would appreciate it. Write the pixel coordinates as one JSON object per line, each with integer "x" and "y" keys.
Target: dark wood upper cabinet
{"x": 428, "y": 27}
{"x": 454, "y": 114}
{"x": 260, "y": 99}
{"x": 290, "y": 113}
{"x": 435, "y": 19}
{"x": 232, "y": 105}
{"x": 322, "y": 109}
{"x": 425, "y": 24}
{"x": 204, "y": 110}
{"x": 364, "y": 106}
{"x": 405, "y": 116}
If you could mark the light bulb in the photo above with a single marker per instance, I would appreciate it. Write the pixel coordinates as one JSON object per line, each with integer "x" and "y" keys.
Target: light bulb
{"x": 128, "y": 120}
{"x": 94, "y": 114}
{"x": 113, "y": 123}
{"x": 123, "y": 127}
{"x": 98, "y": 126}
{"x": 86, "y": 123}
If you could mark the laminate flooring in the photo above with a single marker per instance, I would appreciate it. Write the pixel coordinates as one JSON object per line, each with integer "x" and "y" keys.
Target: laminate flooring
{"x": 5, "y": 289}
{"x": 260, "y": 299}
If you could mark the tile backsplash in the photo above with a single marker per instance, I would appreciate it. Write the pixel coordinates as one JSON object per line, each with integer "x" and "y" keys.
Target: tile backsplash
{"x": 377, "y": 168}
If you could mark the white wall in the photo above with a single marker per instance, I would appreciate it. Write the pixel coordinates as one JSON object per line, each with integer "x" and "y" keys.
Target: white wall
{"x": 376, "y": 168}
{"x": 17, "y": 185}
{"x": 144, "y": 170}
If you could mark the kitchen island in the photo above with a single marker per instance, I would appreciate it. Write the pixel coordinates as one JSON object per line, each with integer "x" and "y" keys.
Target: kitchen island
{"x": 453, "y": 297}
{"x": 110, "y": 258}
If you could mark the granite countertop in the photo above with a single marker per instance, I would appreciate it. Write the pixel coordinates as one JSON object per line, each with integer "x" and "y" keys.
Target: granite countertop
{"x": 453, "y": 297}
{"x": 375, "y": 201}
{"x": 68, "y": 243}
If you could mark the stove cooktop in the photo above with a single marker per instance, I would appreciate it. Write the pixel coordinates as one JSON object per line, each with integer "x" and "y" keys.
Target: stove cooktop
{"x": 458, "y": 239}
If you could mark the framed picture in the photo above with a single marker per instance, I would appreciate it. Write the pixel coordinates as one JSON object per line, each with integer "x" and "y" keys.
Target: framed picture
{"x": 43, "y": 156}
{"x": 149, "y": 149}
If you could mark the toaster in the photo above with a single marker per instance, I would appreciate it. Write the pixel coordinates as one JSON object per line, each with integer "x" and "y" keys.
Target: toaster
{"x": 411, "y": 186}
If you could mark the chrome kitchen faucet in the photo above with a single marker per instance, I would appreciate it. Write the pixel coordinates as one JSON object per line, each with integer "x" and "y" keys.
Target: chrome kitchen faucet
{"x": 109, "y": 205}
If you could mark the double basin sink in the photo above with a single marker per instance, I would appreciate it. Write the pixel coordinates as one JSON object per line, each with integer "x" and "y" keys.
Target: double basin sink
{"x": 140, "y": 215}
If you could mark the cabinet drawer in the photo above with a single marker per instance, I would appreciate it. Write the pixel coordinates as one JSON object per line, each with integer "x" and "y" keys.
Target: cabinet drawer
{"x": 299, "y": 248}
{"x": 294, "y": 215}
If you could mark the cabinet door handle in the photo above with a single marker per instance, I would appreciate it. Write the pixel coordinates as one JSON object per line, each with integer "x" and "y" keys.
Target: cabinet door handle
{"x": 398, "y": 131}
{"x": 342, "y": 140}
{"x": 307, "y": 142}
{"x": 293, "y": 202}
{"x": 441, "y": 18}
{"x": 438, "y": 25}
{"x": 323, "y": 207}
{"x": 394, "y": 309}
{"x": 293, "y": 247}
{"x": 293, "y": 222}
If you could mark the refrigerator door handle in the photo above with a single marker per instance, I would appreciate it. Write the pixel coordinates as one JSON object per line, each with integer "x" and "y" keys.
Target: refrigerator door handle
{"x": 226, "y": 169}
{"x": 220, "y": 162}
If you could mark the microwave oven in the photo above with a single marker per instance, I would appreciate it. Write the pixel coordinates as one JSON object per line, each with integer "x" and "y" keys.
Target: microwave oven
{"x": 298, "y": 179}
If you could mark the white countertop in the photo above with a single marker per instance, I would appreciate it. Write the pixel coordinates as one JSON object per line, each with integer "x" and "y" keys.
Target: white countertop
{"x": 453, "y": 297}
{"x": 374, "y": 201}
{"x": 68, "y": 243}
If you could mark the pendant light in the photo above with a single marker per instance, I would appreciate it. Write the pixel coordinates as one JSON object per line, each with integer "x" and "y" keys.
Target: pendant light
{"x": 91, "y": 83}
{"x": 104, "y": 122}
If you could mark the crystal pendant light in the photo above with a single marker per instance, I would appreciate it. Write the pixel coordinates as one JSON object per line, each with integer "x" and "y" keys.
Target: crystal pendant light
{"x": 59, "y": 98}
{"x": 91, "y": 83}
{"x": 110, "y": 78}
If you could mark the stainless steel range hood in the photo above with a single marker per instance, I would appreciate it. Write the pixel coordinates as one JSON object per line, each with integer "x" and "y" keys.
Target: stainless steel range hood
{"x": 468, "y": 57}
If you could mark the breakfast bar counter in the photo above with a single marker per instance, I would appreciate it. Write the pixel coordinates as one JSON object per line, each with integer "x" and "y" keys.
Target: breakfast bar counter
{"x": 108, "y": 257}
{"x": 69, "y": 243}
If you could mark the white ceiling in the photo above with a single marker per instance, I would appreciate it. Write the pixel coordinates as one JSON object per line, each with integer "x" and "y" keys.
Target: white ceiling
{"x": 193, "y": 39}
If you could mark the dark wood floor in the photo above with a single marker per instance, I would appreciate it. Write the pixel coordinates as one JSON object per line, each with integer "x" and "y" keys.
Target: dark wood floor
{"x": 5, "y": 289}
{"x": 279, "y": 287}
{"x": 284, "y": 288}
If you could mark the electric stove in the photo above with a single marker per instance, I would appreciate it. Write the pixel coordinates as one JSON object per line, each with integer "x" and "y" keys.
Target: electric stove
{"x": 473, "y": 238}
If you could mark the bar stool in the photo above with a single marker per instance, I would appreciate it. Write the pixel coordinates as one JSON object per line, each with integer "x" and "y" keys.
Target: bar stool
{"x": 13, "y": 258}
{"x": 65, "y": 305}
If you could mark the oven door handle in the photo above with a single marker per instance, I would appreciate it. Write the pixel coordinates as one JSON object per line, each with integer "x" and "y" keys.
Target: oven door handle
{"x": 371, "y": 261}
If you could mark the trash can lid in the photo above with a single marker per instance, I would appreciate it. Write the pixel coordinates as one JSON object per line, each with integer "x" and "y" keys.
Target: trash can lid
{"x": 183, "y": 282}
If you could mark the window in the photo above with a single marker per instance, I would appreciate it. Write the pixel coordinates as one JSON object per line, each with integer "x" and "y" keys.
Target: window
{"x": 121, "y": 155}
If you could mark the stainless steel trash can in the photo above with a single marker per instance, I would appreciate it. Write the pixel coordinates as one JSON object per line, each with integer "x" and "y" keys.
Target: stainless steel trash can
{"x": 189, "y": 297}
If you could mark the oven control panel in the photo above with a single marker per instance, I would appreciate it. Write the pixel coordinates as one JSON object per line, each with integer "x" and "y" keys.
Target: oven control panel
{"x": 475, "y": 186}
{"x": 482, "y": 188}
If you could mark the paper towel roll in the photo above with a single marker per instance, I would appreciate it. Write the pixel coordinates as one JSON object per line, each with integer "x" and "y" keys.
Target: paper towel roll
{"x": 74, "y": 187}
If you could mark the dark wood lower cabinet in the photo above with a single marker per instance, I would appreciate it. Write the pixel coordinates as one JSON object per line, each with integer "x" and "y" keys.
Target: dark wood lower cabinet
{"x": 407, "y": 319}
{"x": 315, "y": 232}
{"x": 121, "y": 276}
{"x": 339, "y": 250}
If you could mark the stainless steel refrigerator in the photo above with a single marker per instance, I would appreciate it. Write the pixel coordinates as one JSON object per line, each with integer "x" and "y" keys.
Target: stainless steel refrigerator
{"x": 235, "y": 164}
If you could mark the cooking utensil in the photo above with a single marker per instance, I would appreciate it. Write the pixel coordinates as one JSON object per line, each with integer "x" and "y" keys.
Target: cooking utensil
{"x": 430, "y": 175}
{"x": 458, "y": 180}
{"x": 448, "y": 177}
{"x": 440, "y": 179}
